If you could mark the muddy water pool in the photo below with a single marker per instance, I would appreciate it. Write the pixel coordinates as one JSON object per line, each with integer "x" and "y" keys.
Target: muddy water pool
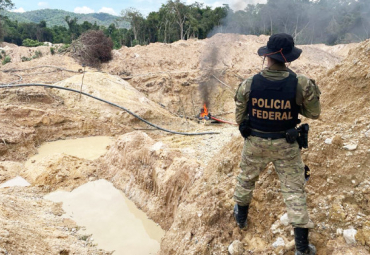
{"x": 87, "y": 148}
{"x": 113, "y": 220}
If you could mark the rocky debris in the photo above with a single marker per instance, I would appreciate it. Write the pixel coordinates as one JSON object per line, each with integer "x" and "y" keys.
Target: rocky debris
{"x": 349, "y": 235}
{"x": 236, "y": 248}
{"x": 350, "y": 147}
{"x": 279, "y": 242}
{"x": 367, "y": 133}
{"x": 329, "y": 141}
{"x": 284, "y": 219}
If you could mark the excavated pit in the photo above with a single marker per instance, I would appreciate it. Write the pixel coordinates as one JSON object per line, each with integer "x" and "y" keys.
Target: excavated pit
{"x": 185, "y": 184}
{"x": 109, "y": 219}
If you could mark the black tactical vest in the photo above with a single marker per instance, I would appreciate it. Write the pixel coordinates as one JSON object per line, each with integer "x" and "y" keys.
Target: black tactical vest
{"x": 272, "y": 105}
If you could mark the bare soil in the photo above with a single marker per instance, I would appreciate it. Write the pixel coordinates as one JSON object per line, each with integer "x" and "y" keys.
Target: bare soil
{"x": 184, "y": 183}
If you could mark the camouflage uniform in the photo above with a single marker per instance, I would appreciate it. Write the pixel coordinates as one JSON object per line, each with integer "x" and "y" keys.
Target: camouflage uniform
{"x": 286, "y": 157}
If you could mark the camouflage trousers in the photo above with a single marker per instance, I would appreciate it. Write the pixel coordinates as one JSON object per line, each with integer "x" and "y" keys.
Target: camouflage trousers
{"x": 257, "y": 153}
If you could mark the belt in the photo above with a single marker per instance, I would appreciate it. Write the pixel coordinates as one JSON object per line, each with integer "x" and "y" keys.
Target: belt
{"x": 272, "y": 136}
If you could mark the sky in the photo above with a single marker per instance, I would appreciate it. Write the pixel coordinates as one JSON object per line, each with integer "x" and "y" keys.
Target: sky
{"x": 115, "y": 7}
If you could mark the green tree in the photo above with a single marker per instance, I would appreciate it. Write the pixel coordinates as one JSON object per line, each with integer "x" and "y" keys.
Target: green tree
{"x": 166, "y": 20}
{"x": 73, "y": 27}
{"x": 153, "y": 26}
{"x": 136, "y": 20}
{"x": 6, "y": 4}
{"x": 181, "y": 13}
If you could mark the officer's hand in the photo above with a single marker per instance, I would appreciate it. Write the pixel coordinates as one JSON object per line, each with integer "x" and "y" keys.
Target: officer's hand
{"x": 244, "y": 129}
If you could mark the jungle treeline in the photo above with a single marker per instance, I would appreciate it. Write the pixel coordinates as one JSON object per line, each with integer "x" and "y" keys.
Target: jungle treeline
{"x": 320, "y": 21}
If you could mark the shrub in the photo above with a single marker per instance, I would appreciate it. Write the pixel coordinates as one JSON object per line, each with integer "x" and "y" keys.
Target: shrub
{"x": 52, "y": 50}
{"x": 63, "y": 48}
{"x": 38, "y": 54}
{"x": 6, "y": 60}
{"x": 24, "y": 59}
{"x": 93, "y": 48}
{"x": 31, "y": 43}
{"x": 135, "y": 42}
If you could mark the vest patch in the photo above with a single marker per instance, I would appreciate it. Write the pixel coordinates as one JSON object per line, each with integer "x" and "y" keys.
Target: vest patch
{"x": 269, "y": 115}
{"x": 272, "y": 106}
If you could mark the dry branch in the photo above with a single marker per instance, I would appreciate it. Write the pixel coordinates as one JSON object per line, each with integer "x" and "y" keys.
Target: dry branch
{"x": 92, "y": 48}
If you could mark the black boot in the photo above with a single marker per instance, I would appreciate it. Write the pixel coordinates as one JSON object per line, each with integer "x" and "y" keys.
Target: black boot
{"x": 302, "y": 246}
{"x": 240, "y": 215}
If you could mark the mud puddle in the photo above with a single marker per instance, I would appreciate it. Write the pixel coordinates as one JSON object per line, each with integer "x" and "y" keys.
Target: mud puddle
{"x": 87, "y": 148}
{"x": 113, "y": 220}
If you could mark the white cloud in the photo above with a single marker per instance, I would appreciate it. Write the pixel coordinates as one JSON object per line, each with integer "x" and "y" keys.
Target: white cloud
{"x": 214, "y": 4}
{"x": 83, "y": 10}
{"x": 108, "y": 10}
{"x": 217, "y": 4}
{"x": 237, "y": 5}
{"x": 43, "y": 4}
{"x": 18, "y": 10}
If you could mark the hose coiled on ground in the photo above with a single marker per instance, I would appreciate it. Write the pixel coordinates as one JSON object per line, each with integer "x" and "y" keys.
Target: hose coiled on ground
{"x": 107, "y": 102}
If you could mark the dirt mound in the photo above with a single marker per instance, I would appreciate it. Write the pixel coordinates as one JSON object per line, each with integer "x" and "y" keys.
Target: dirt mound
{"x": 339, "y": 153}
{"x": 41, "y": 67}
{"x": 9, "y": 170}
{"x": 153, "y": 175}
{"x": 170, "y": 74}
{"x": 112, "y": 89}
{"x": 59, "y": 171}
{"x": 48, "y": 70}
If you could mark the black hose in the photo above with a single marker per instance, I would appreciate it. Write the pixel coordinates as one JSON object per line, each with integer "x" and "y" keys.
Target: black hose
{"x": 102, "y": 100}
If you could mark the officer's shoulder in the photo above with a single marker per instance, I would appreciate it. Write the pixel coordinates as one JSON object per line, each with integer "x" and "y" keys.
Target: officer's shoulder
{"x": 249, "y": 79}
{"x": 304, "y": 80}
{"x": 247, "y": 83}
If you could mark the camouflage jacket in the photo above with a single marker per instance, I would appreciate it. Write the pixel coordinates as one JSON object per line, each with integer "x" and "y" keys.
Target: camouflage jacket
{"x": 308, "y": 93}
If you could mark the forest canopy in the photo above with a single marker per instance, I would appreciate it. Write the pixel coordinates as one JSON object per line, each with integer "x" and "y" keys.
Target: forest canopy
{"x": 321, "y": 21}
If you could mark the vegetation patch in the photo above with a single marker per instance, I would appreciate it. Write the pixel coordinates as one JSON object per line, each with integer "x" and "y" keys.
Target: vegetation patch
{"x": 6, "y": 60}
{"x": 31, "y": 43}
{"x": 38, "y": 54}
{"x": 64, "y": 48}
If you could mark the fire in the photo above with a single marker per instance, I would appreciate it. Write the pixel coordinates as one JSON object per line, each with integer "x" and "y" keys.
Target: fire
{"x": 204, "y": 112}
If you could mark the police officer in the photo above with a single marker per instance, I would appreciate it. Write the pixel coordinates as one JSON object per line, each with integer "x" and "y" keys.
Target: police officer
{"x": 267, "y": 106}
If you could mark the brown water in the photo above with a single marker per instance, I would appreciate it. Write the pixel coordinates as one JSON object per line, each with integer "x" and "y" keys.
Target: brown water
{"x": 88, "y": 148}
{"x": 113, "y": 220}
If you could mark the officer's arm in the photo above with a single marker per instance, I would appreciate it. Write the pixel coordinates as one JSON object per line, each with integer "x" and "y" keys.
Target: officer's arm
{"x": 241, "y": 101}
{"x": 308, "y": 97}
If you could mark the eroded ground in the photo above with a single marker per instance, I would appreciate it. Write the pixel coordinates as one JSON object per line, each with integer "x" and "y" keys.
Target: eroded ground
{"x": 184, "y": 183}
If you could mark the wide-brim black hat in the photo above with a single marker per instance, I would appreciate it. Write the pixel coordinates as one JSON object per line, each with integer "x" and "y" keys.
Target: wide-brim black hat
{"x": 280, "y": 47}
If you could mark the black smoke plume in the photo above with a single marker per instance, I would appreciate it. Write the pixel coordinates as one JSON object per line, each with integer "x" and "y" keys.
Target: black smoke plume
{"x": 209, "y": 61}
